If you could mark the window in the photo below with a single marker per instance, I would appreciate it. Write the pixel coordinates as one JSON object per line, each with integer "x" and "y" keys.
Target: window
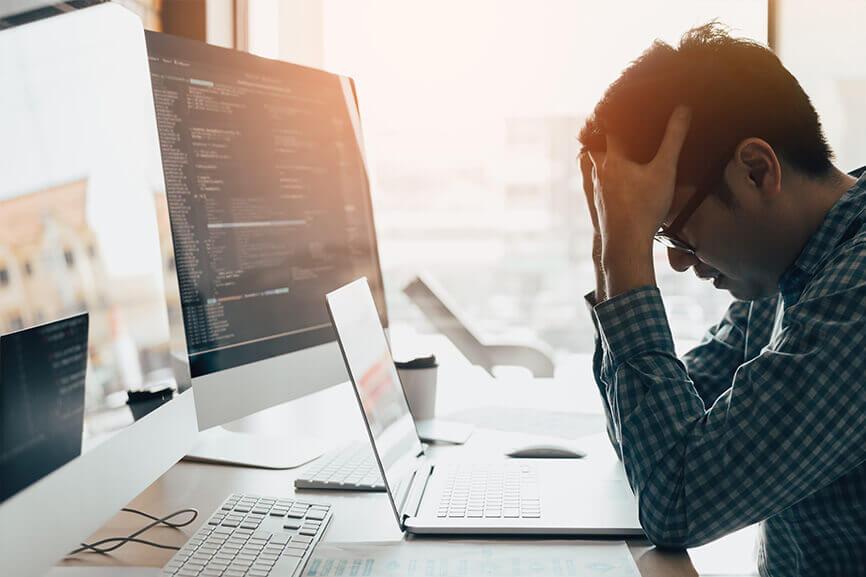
{"x": 4, "y": 276}
{"x": 470, "y": 112}
{"x": 28, "y": 268}
{"x": 830, "y": 69}
{"x": 69, "y": 258}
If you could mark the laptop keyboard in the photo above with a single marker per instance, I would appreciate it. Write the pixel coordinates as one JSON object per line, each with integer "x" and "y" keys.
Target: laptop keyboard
{"x": 351, "y": 468}
{"x": 252, "y": 536}
{"x": 491, "y": 491}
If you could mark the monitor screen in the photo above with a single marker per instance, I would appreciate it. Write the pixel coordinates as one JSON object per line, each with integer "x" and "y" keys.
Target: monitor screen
{"x": 42, "y": 375}
{"x": 268, "y": 197}
{"x": 83, "y": 213}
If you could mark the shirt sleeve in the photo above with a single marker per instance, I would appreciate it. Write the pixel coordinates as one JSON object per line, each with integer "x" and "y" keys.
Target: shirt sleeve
{"x": 791, "y": 422}
{"x": 712, "y": 363}
{"x": 597, "y": 359}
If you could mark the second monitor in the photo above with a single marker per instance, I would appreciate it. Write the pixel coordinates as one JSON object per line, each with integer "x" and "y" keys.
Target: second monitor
{"x": 270, "y": 209}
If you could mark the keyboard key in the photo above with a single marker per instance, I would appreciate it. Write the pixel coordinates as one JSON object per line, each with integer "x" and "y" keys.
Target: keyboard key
{"x": 286, "y": 565}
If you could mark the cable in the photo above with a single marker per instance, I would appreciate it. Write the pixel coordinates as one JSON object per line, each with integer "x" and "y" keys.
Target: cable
{"x": 133, "y": 537}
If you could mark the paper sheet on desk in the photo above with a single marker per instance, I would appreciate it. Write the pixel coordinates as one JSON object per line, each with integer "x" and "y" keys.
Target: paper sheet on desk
{"x": 532, "y": 421}
{"x": 505, "y": 558}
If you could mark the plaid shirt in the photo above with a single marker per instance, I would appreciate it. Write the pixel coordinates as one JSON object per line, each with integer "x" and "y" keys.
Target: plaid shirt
{"x": 765, "y": 421}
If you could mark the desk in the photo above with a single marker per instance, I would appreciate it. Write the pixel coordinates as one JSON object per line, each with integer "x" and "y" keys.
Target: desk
{"x": 366, "y": 516}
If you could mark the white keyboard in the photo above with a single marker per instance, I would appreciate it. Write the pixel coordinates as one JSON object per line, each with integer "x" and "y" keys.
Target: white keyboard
{"x": 491, "y": 491}
{"x": 252, "y": 536}
{"x": 350, "y": 468}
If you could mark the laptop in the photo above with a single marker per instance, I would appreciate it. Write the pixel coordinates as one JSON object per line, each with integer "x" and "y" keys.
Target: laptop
{"x": 508, "y": 497}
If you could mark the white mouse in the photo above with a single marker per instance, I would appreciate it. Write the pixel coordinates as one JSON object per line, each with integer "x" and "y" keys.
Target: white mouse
{"x": 546, "y": 451}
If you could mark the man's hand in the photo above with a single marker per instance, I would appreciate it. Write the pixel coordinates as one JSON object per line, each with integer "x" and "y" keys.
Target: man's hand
{"x": 631, "y": 201}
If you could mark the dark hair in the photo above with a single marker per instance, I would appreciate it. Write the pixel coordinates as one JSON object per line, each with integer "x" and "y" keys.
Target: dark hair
{"x": 735, "y": 88}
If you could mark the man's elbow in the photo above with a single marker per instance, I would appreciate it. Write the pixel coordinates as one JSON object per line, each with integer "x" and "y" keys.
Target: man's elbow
{"x": 666, "y": 537}
{"x": 667, "y": 531}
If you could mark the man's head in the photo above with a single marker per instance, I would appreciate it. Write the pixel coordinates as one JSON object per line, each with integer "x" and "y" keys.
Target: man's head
{"x": 751, "y": 123}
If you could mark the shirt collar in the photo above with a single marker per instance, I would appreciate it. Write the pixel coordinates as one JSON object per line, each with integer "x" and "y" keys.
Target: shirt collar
{"x": 830, "y": 233}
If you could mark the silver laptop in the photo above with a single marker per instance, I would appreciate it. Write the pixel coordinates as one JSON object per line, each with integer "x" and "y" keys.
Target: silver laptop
{"x": 538, "y": 496}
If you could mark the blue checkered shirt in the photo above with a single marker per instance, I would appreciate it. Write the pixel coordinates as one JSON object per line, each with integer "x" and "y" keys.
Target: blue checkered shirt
{"x": 765, "y": 421}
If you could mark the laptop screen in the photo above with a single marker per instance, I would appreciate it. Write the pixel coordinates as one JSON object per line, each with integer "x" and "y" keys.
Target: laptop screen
{"x": 377, "y": 385}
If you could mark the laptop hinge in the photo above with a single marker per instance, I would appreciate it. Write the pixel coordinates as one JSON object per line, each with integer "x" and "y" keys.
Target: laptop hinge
{"x": 416, "y": 491}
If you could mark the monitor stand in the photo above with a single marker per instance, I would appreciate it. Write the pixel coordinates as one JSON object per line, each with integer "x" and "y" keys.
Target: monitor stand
{"x": 222, "y": 446}
{"x": 281, "y": 437}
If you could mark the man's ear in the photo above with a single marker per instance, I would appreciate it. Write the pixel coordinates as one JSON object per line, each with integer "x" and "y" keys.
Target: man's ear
{"x": 759, "y": 165}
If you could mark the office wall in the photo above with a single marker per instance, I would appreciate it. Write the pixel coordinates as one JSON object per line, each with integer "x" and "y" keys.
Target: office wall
{"x": 822, "y": 45}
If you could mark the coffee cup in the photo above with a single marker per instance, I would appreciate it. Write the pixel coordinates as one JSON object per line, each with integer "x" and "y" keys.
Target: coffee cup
{"x": 418, "y": 378}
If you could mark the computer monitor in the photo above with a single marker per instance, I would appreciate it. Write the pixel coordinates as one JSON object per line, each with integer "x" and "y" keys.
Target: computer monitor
{"x": 270, "y": 210}
{"x": 84, "y": 229}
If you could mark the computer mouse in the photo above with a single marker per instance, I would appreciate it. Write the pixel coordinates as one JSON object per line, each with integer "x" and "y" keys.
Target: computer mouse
{"x": 546, "y": 451}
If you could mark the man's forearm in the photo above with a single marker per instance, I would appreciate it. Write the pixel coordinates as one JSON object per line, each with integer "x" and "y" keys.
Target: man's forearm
{"x": 600, "y": 293}
{"x": 627, "y": 265}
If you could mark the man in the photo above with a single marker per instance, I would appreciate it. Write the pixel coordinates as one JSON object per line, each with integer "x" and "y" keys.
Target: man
{"x": 713, "y": 149}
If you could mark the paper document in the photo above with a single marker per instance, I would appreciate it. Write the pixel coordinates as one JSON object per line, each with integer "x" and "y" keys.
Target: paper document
{"x": 534, "y": 422}
{"x": 507, "y": 558}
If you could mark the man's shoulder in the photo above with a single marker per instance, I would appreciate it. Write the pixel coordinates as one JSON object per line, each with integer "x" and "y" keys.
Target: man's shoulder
{"x": 845, "y": 267}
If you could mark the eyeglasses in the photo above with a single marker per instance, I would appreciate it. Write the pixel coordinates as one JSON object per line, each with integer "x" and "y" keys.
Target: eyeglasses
{"x": 669, "y": 235}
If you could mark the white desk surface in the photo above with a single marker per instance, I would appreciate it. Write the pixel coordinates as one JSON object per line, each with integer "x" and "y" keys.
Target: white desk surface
{"x": 333, "y": 414}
